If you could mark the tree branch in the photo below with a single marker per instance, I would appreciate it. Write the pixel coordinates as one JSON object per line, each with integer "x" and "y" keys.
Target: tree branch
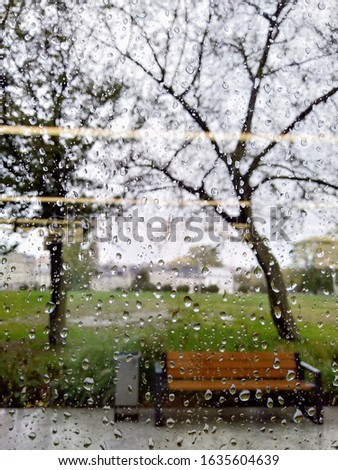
{"x": 317, "y": 181}
{"x": 300, "y": 117}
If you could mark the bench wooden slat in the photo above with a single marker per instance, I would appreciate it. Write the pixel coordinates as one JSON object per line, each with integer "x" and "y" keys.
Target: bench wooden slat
{"x": 231, "y": 356}
{"x": 219, "y": 373}
{"x": 219, "y": 385}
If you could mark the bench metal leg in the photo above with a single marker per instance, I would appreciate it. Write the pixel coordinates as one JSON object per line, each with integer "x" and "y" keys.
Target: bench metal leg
{"x": 160, "y": 387}
{"x": 317, "y": 417}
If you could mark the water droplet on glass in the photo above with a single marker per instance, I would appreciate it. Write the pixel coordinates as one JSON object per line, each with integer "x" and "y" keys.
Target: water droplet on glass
{"x": 174, "y": 316}
{"x": 223, "y": 316}
{"x": 205, "y": 270}
{"x": 277, "y": 312}
{"x": 187, "y": 301}
{"x": 208, "y": 395}
{"x": 170, "y": 422}
{"x": 232, "y": 389}
{"x": 32, "y": 435}
{"x": 151, "y": 443}
{"x": 88, "y": 384}
{"x": 196, "y": 326}
{"x": 64, "y": 333}
{"x": 298, "y": 416}
{"x": 276, "y": 363}
{"x": 50, "y": 307}
{"x": 269, "y": 402}
{"x": 85, "y": 363}
{"x": 244, "y": 395}
{"x": 87, "y": 443}
{"x": 67, "y": 414}
{"x": 291, "y": 375}
{"x": 125, "y": 315}
{"x": 258, "y": 394}
{"x": 233, "y": 442}
{"x": 32, "y": 334}
{"x": 117, "y": 433}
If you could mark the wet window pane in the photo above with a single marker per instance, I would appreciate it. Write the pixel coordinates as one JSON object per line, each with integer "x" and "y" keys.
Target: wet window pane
{"x": 168, "y": 225}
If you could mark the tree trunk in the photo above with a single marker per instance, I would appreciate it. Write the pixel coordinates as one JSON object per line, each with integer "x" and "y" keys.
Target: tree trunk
{"x": 279, "y": 305}
{"x": 57, "y": 319}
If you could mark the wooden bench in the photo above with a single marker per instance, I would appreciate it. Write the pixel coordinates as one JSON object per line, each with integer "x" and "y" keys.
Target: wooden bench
{"x": 239, "y": 374}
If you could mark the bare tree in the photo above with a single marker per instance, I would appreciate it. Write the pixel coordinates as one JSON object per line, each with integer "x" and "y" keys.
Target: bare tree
{"x": 230, "y": 70}
{"x": 50, "y": 80}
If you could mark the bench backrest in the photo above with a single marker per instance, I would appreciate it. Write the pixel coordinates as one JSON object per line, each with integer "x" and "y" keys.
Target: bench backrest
{"x": 230, "y": 365}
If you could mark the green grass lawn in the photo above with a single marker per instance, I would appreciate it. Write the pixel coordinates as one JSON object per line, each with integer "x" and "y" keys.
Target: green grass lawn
{"x": 100, "y": 324}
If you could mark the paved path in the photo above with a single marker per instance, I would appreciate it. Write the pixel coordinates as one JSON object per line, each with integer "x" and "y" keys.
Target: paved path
{"x": 201, "y": 429}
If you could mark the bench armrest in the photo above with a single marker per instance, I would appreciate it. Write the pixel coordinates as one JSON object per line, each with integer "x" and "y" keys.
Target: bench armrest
{"x": 312, "y": 370}
{"x": 308, "y": 367}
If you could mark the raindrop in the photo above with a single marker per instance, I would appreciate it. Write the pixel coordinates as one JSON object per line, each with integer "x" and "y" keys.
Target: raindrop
{"x": 170, "y": 422}
{"x": 320, "y": 253}
{"x": 208, "y": 395}
{"x": 298, "y": 416}
{"x": 187, "y": 301}
{"x": 258, "y": 394}
{"x": 88, "y": 384}
{"x": 125, "y": 315}
{"x": 67, "y": 414}
{"x": 32, "y": 334}
{"x": 232, "y": 389}
{"x": 88, "y": 442}
{"x": 32, "y": 435}
{"x": 258, "y": 272}
{"x": 214, "y": 192}
{"x": 174, "y": 316}
{"x": 223, "y": 316}
{"x": 233, "y": 442}
{"x": 117, "y": 433}
{"x": 277, "y": 312}
{"x": 66, "y": 266}
{"x": 85, "y": 364}
{"x": 291, "y": 375}
{"x": 50, "y": 307}
{"x": 151, "y": 443}
{"x": 267, "y": 88}
{"x": 179, "y": 441}
{"x": 269, "y": 402}
{"x": 196, "y": 326}
{"x": 244, "y": 395}
{"x": 276, "y": 363}
{"x": 46, "y": 378}
{"x": 138, "y": 304}
{"x": 205, "y": 270}
{"x": 64, "y": 333}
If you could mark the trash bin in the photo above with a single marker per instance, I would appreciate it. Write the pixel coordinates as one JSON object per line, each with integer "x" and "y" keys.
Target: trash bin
{"x": 127, "y": 386}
